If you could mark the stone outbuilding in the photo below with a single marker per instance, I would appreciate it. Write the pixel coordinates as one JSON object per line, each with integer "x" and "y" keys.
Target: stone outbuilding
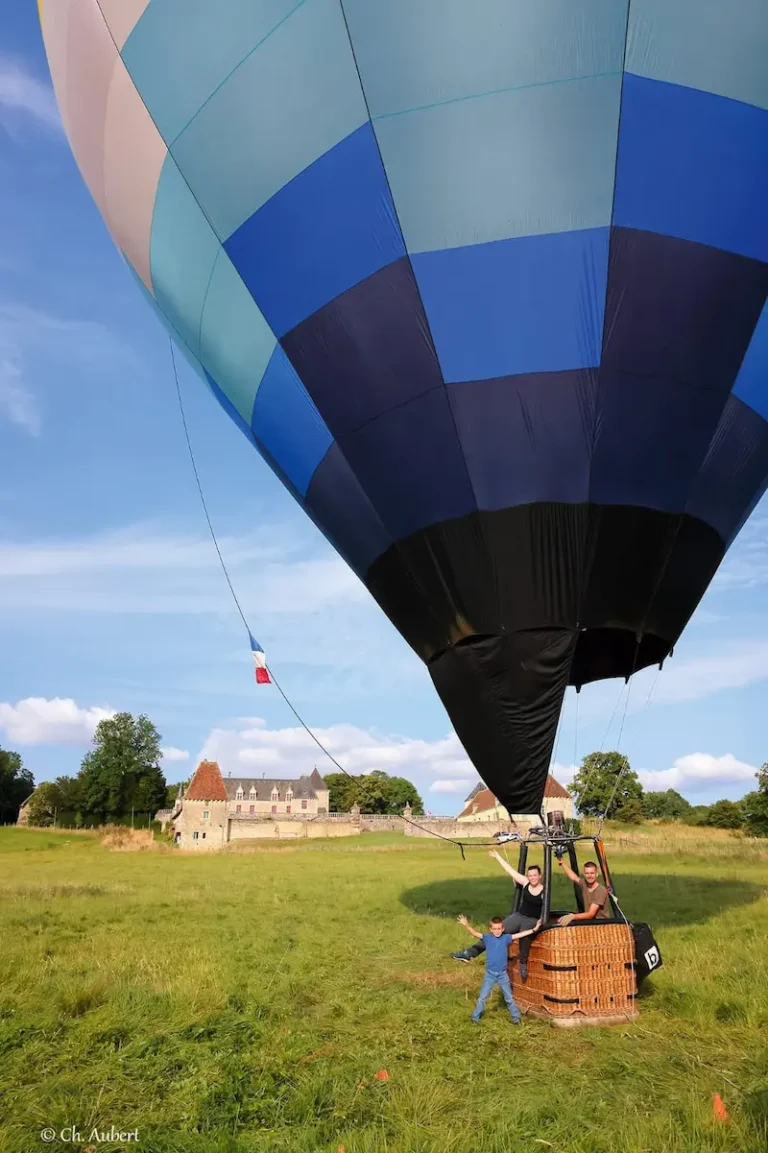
{"x": 482, "y": 805}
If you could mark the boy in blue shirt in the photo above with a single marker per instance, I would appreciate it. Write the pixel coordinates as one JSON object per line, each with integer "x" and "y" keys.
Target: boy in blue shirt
{"x": 496, "y": 959}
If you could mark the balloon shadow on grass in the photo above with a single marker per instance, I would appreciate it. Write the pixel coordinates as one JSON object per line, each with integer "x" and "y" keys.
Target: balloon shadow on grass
{"x": 656, "y": 898}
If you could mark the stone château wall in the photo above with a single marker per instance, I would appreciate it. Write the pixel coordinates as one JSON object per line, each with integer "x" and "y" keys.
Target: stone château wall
{"x": 458, "y": 830}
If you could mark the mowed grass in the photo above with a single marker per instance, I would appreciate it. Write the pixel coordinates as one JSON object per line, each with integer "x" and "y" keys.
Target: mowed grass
{"x": 246, "y": 1001}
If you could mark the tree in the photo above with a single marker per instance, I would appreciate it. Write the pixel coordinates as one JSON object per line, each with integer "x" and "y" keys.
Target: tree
{"x": 172, "y": 792}
{"x": 341, "y": 792}
{"x": 122, "y": 772}
{"x": 372, "y": 796}
{"x": 724, "y": 815}
{"x": 755, "y": 806}
{"x": 374, "y": 792}
{"x": 16, "y": 784}
{"x": 402, "y": 792}
{"x": 43, "y": 805}
{"x": 70, "y": 794}
{"x": 697, "y": 815}
{"x": 631, "y": 813}
{"x": 668, "y": 805}
{"x": 603, "y": 776}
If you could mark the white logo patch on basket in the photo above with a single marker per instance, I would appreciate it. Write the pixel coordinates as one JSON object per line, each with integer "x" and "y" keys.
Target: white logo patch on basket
{"x": 652, "y": 957}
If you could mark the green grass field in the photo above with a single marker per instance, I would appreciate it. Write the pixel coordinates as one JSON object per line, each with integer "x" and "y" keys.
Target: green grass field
{"x": 245, "y": 1001}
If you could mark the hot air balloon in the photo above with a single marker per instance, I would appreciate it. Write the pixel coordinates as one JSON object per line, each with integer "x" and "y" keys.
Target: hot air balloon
{"x": 483, "y": 282}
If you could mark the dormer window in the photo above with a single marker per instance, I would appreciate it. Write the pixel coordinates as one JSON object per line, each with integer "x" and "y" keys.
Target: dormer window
{"x": 252, "y": 793}
{"x": 289, "y": 794}
{"x": 275, "y": 795}
{"x": 239, "y": 793}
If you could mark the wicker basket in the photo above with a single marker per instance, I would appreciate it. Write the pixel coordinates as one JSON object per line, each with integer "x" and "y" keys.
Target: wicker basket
{"x": 578, "y": 975}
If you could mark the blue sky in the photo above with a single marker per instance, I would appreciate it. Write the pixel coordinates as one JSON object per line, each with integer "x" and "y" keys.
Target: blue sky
{"x": 110, "y": 591}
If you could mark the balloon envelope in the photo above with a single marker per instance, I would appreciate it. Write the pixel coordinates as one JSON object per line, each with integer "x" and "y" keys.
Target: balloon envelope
{"x": 483, "y": 282}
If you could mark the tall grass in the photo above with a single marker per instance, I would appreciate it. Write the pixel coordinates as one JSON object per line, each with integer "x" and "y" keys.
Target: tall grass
{"x": 675, "y": 838}
{"x": 246, "y": 1001}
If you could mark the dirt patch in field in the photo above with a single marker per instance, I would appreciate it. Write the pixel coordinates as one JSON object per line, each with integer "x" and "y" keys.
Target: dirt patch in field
{"x": 123, "y": 840}
{"x": 436, "y": 978}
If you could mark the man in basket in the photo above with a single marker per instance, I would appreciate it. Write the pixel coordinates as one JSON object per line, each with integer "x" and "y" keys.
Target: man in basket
{"x": 595, "y": 895}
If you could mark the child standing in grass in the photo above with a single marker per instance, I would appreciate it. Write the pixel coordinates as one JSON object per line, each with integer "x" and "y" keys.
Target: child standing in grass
{"x": 496, "y": 959}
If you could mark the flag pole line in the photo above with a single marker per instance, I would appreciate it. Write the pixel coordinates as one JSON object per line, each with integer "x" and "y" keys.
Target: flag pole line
{"x": 461, "y": 845}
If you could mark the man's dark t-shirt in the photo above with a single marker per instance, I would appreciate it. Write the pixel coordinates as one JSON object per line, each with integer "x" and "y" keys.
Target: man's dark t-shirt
{"x": 596, "y": 896}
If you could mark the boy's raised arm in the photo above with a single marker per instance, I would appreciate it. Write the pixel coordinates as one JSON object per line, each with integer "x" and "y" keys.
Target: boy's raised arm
{"x": 463, "y": 921}
{"x": 527, "y": 932}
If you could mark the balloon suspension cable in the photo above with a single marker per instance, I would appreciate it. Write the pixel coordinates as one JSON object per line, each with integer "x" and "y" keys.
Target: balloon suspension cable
{"x": 605, "y": 735}
{"x": 624, "y": 767}
{"x": 460, "y": 845}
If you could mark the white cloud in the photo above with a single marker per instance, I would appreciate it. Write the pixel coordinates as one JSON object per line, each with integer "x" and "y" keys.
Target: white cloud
{"x": 463, "y": 786}
{"x": 316, "y": 620}
{"x": 732, "y": 666}
{"x": 37, "y": 721}
{"x": 291, "y": 751}
{"x": 27, "y": 334}
{"x": 746, "y": 564}
{"x": 141, "y": 569}
{"x": 173, "y": 754}
{"x": 563, "y": 773}
{"x": 23, "y": 95}
{"x": 697, "y": 771}
{"x": 17, "y": 403}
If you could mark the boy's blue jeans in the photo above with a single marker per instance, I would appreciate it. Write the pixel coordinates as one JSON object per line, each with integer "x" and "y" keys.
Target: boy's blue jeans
{"x": 489, "y": 981}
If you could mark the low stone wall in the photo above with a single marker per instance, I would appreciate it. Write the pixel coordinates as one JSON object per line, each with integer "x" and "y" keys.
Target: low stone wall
{"x": 290, "y": 830}
{"x": 375, "y": 823}
{"x": 458, "y": 830}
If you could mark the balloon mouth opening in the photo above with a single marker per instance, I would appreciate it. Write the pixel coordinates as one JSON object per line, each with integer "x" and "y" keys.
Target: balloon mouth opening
{"x": 600, "y": 653}
{"x": 603, "y": 653}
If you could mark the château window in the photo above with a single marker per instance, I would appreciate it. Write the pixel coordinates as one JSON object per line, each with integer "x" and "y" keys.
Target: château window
{"x": 239, "y": 793}
{"x": 287, "y": 808}
{"x": 289, "y": 795}
{"x": 238, "y": 808}
{"x": 251, "y": 809}
{"x": 206, "y": 815}
{"x": 195, "y": 836}
{"x": 203, "y": 836}
{"x": 274, "y": 808}
{"x": 275, "y": 795}
{"x": 304, "y": 804}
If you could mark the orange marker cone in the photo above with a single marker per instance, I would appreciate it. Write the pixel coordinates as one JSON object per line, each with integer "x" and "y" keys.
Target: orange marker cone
{"x": 718, "y": 1108}
{"x": 382, "y": 1075}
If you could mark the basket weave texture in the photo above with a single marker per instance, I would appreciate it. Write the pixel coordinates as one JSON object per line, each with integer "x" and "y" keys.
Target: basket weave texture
{"x": 579, "y": 970}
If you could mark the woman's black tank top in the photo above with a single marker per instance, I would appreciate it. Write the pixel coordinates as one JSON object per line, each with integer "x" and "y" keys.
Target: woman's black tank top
{"x": 531, "y": 904}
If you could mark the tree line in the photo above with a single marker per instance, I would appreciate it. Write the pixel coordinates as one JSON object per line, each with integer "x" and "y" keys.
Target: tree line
{"x": 606, "y": 784}
{"x": 374, "y": 792}
{"x": 120, "y": 780}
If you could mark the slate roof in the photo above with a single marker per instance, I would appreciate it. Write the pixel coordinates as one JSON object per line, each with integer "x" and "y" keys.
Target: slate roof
{"x": 304, "y": 787}
{"x": 482, "y": 799}
{"x": 206, "y": 784}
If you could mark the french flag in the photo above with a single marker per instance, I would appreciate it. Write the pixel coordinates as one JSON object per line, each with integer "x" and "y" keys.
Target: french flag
{"x": 260, "y": 661}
